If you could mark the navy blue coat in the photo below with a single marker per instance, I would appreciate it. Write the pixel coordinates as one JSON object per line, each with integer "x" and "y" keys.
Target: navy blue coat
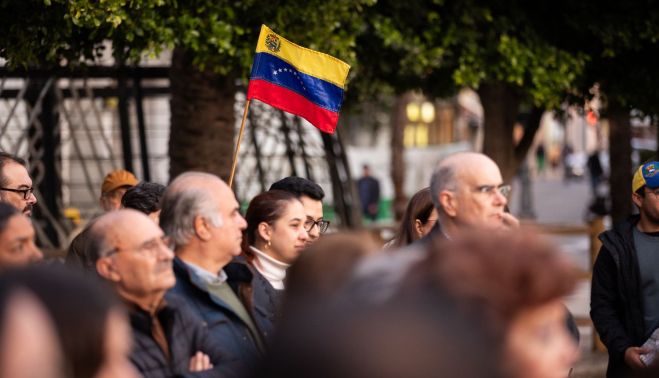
{"x": 186, "y": 335}
{"x": 224, "y": 325}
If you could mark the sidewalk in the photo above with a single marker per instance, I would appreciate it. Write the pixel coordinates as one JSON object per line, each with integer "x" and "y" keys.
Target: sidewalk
{"x": 564, "y": 203}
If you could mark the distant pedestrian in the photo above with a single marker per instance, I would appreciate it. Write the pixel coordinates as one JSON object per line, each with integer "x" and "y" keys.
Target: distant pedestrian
{"x": 369, "y": 193}
{"x": 540, "y": 159}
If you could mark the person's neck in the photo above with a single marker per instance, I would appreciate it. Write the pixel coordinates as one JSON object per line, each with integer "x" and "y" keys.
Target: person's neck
{"x": 271, "y": 268}
{"x": 646, "y": 226}
{"x": 149, "y": 303}
{"x": 196, "y": 254}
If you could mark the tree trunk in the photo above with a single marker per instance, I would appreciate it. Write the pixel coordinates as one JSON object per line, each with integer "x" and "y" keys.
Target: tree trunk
{"x": 202, "y": 119}
{"x": 398, "y": 156}
{"x": 620, "y": 151}
{"x": 500, "y": 108}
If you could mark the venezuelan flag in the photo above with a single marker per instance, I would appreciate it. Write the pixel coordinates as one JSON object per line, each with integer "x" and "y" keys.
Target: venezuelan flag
{"x": 298, "y": 80}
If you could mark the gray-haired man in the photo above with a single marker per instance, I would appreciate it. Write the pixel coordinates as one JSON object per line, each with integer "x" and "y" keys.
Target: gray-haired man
{"x": 201, "y": 215}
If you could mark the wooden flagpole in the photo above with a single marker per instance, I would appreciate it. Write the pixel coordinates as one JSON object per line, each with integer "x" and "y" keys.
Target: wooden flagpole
{"x": 240, "y": 137}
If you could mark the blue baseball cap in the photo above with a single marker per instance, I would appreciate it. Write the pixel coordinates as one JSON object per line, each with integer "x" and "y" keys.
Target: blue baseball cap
{"x": 646, "y": 175}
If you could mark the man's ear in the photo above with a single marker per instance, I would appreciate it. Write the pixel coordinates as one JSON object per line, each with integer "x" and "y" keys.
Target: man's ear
{"x": 201, "y": 228}
{"x": 106, "y": 269}
{"x": 265, "y": 231}
{"x": 637, "y": 199}
{"x": 448, "y": 202}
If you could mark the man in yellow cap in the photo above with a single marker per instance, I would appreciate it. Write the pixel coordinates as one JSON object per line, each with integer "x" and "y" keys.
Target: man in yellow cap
{"x": 624, "y": 302}
{"x": 114, "y": 186}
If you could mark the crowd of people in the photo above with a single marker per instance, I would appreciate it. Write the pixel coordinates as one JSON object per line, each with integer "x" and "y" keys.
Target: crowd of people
{"x": 174, "y": 281}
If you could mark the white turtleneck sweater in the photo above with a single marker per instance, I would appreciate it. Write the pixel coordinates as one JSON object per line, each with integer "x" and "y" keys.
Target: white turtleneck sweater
{"x": 272, "y": 269}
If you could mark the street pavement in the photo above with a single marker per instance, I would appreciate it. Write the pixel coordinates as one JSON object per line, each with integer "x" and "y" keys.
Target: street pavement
{"x": 559, "y": 203}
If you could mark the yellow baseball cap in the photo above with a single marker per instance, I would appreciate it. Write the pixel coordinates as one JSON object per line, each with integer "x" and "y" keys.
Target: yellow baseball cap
{"x": 646, "y": 175}
{"x": 117, "y": 179}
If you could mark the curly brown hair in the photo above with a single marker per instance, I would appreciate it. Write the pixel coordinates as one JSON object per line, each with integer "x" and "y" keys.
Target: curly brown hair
{"x": 496, "y": 276}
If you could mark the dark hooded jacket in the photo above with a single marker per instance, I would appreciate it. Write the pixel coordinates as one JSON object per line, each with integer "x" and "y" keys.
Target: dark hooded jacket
{"x": 616, "y": 305}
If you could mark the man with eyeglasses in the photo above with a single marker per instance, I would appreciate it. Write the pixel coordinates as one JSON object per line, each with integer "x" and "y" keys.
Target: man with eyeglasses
{"x": 201, "y": 214}
{"x": 15, "y": 184}
{"x": 468, "y": 191}
{"x": 624, "y": 302}
{"x": 311, "y": 195}
{"x": 131, "y": 252}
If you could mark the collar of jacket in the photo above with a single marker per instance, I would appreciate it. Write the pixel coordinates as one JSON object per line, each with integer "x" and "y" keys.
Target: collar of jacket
{"x": 239, "y": 279}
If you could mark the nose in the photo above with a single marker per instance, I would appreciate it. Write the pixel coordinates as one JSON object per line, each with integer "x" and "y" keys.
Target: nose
{"x": 500, "y": 199}
{"x": 35, "y": 253}
{"x": 165, "y": 252}
{"x": 242, "y": 223}
{"x": 32, "y": 199}
{"x": 303, "y": 235}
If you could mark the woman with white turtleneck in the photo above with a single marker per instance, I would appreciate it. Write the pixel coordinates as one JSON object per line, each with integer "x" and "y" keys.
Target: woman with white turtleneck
{"x": 273, "y": 240}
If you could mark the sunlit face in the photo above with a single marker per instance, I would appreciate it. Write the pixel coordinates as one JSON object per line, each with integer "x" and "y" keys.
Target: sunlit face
{"x": 17, "y": 247}
{"x": 141, "y": 262}
{"x": 116, "y": 351}
{"x": 229, "y": 236}
{"x": 539, "y": 345}
{"x": 474, "y": 206}
{"x": 112, "y": 200}
{"x": 287, "y": 235}
{"x": 314, "y": 212}
{"x": 29, "y": 346}
{"x": 17, "y": 178}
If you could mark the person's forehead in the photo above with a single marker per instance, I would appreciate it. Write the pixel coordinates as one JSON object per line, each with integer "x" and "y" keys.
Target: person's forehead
{"x": 294, "y": 209}
{"x": 132, "y": 230}
{"x": 486, "y": 173}
{"x": 312, "y": 207}
{"x": 226, "y": 198}
{"x": 18, "y": 227}
{"x": 16, "y": 175}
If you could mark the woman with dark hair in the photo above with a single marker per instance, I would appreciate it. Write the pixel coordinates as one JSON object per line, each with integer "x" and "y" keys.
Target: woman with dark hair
{"x": 94, "y": 334}
{"x": 419, "y": 218}
{"x": 274, "y": 237}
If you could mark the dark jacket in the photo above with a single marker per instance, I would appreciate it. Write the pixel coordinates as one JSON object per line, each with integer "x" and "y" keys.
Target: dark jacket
{"x": 616, "y": 305}
{"x": 267, "y": 302}
{"x": 225, "y": 326}
{"x": 186, "y": 334}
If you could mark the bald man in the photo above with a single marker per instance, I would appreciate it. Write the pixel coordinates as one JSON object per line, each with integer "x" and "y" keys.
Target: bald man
{"x": 468, "y": 191}
{"x": 131, "y": 252}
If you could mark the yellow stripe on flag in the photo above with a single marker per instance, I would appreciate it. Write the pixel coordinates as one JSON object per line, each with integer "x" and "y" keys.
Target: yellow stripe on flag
{"x": 310, "y": 62}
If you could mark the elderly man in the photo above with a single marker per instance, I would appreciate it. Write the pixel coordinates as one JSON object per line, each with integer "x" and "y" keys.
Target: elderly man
{"x": 132, "y": 253}
{"x": 468, "y": 191}
{"x": 201, "y": 214}
{"x": 311, "y": 195}
{"x": 15, "y": 183}
{"x": 17, "y": 236}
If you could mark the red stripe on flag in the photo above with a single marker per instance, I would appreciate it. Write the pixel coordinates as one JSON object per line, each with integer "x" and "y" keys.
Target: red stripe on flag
{"x": 291, "y": 102}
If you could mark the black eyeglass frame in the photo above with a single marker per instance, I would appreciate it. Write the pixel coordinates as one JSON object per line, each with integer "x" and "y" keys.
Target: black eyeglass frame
{"x": 322, "y": 224}
{"x": 26, "y": 192}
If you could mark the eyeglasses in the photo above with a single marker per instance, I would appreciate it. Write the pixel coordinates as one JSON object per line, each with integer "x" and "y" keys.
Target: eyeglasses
{"x": 322, "y": 225}
{"x": 149, "y": 248}
{"x": 26, "y": 192}
{"x": 504, "y": 189}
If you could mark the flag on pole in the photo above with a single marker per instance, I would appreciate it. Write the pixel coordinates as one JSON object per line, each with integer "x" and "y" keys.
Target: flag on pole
{"x": 298, "y": 80}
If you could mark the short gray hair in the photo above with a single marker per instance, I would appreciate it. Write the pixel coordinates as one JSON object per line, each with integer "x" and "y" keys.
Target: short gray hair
{"x": 181, "y": 204}
{"x": 96, "y": 245}
{"x": 443, "y": 178}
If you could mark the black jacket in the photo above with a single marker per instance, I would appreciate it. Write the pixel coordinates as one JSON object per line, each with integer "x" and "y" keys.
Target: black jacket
{"x": 225, "y": 326}
{"x": 616, "y": 305}
{"x": 186, "y": 334}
